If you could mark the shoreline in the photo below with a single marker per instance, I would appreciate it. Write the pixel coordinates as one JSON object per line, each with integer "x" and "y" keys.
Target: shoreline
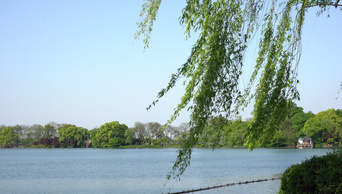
{"x": 164, "y": 147}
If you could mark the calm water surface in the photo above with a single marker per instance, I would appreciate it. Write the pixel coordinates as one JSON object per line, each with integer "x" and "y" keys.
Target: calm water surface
{"x": 142, "y": 170}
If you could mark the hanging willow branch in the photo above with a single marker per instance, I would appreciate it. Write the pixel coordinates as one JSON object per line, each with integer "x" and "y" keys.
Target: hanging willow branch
{"x": 214, "y": 68}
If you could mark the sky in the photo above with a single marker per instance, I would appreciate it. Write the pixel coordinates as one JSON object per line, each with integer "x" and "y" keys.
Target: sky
{"x": 77, "y": 62}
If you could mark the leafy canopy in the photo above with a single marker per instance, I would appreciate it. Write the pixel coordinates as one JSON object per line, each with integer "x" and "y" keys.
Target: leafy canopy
{"x": 7, "y": 137}
{"x": 213, "y": 69}
{"x": 324, "y": 125}
{"x": 111, "y": 134}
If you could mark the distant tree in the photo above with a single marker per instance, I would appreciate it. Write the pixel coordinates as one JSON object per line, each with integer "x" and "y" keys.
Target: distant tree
{"x": 278, "y": 139}
{"x": 299, "y": 120}
{"x": 339, "y": 123}
{"x": 290, "y": 135}
{"x": 293, "y": 109}
{"x": 70, "y": 135}
{"x": 323, "y": 126}
{"x": 35, "y": 132}
{"x": 20, "y": 132}
{"x": 169, "y": 131}
{"x": 81, "y": 136}
{"x": 129, "y": 134}
{"x": 7, "y": 137}
{"x": 181, "y": 137}
{"x": 235, "y": 132}
{"x": 63, "y": 135}
{"x": 139, "y": 130}
{"x": 213, "y": 133}
{"x": 94, "y": 141}
{"x": 111, "y": 134}
{"x": 49, "y": 131}
{"x": 285, "y": 136}
{"x": 216, "y": 125}
{"x": 183, "y": 127}
{"x": 181, "y": 131}
{"x": 155, "y": 130}
{"x": 339, "y": 111}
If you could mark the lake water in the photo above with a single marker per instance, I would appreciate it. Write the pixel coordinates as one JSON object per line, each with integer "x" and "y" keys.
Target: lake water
{"x": 142, "y": 170}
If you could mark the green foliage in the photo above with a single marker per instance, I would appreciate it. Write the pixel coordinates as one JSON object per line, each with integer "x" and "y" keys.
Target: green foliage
{"x": 278, "y": 139}
{"x": 316, "y": 175}
{"x": 339, "y": 112}
{"x": 154, "y": 129}
{"x": 7, "y": 137}
{"x": 139, "y": 129}
{"x": 225, "y": 28}
{"x": 35, "y": 132}
{"x": 218, "y": 132}
{"x": 19, "y": 130}
{"x": 285, "y": 136}
{"x": 129, "y": 134}
{"x": 111, "y": 135}
{"x": 323, "y": 126}
{"x": 235, "y": 133}
{"x": 293, "y": 109}
{"x": 299, "y": 120}
{"x": 49, "y": 131}
{"x": 291, "y": 137}
{"x": 72, "y": 136}
{"x": 148, "y": 15}
{"x": 92, "y": 135}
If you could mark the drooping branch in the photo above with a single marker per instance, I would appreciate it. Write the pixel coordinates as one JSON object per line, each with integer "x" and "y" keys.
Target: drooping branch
{"x": 214, "y": 67}
{"x": 325, "y": 4}
{"x": 148, "y": 14}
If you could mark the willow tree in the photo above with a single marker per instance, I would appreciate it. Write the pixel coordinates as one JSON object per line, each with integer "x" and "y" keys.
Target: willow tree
{"x": 213, "y": 70}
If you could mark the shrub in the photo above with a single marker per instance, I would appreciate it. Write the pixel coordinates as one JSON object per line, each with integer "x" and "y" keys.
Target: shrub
{"x": 316, "y": 175}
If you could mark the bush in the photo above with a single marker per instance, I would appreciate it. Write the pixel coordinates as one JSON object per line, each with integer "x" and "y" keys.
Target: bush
{"x": 316, "y": 175}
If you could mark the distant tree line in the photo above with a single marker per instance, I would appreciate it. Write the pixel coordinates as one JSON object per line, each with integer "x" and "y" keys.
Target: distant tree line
{"x": 109, "y": 135}
{"x": 325, "y": 129}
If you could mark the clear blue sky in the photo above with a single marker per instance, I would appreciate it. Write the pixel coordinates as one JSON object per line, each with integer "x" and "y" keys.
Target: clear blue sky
{"x": 77, "y": 62}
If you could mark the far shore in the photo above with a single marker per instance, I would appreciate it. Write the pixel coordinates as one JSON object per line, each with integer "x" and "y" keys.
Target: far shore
{"x": 167, "y": 146}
